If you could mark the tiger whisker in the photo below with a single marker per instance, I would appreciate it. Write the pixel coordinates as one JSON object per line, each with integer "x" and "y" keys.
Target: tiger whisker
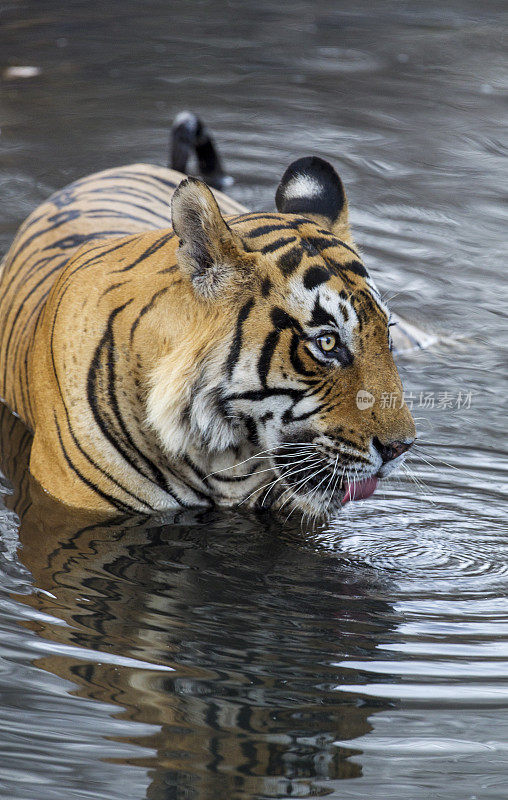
{"x": 259, "y": 454}
{"x": 258, "y": 472}
{"x": 271, "y": 484}
{"x": 420, "y": 485}
{"x": 451, "y": 466}
{"x": 302, "y": 482}
{"x": 313, "y": 492}
{"x": 332, "y": 493}
{"x": 285, "y": 475}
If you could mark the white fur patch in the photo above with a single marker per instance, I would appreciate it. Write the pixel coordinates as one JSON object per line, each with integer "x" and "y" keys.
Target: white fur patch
{"x": 303, "y": 186}
{"x": 183, "y": 410}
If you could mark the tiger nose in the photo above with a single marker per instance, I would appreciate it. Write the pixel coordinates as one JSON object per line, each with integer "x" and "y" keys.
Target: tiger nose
{"x": 391, "y": 450}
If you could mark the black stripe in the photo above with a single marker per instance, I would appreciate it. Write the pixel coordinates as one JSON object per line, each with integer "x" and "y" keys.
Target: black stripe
{"x": 266, "y": 287}
{"x": 295, "y": 358}
{"x": 166, "y": 270}
{"x": 263, "y": 394}
{"x": 315, "y": 276}
{"x": 264, "y": 229}
{"x": 76, "y": 442}
{"x": 328, "y": 390}
{"x": 277, "y": 244}
{"x": 12, "y": 330}
{"x": 347, "y": 442}
{"x": 234, "y": 478}
{"x": 320, "y": 316}
{"x": 27, "y": 224}
{"x": 252, "y": 431}
{"x": 20, "y": 333}
{"x": 290, "y": 261}
{"x": 357, "y": 268}
{"x": 144, "y": 310}
{"x": 252, "y": 217}
{"x": 281, "y": 319}
{"x": 117, "y": 435}
{"x": 112, "y": 287}
{"x": 115, "y": 202}
{"x": 121, "y": 175}
{"x": 90, "y": 262}
{"x": 115, "y": 190}
{"x": 339, "y": 242}
{"x": 234, "y": 352}
{"x": 267, "y": 351}
{"x": 107, "y": 213}
{"x": 23, "y": 277}
{"x": 201, "y": 474}
{"x": 75, "y": 240}
{"x": 118, "y": 504}
{"x": 32, "y": 238}
{"x": 154, "y": 247}
{"x": 288, "y": 416}
{"x": 111, "y": 385}
{"x": 319, "y": 243}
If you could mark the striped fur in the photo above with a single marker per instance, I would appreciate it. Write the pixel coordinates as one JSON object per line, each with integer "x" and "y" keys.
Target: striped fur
{"x": 162, "y": 370}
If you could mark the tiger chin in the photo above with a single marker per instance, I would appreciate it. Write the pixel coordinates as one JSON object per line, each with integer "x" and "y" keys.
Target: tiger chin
{"x": 169, "y": 349}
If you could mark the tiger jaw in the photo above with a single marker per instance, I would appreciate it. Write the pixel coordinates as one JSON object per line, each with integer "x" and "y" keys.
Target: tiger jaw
{"x": 325, "y": 491}
{"x": 321, "y": 487}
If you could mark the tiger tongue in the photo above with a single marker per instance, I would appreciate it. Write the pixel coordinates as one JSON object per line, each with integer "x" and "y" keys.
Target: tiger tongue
{"x": 359, "y": 490}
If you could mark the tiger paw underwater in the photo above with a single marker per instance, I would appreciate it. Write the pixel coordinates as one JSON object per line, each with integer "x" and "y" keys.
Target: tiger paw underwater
{"x": 169, "y": 349}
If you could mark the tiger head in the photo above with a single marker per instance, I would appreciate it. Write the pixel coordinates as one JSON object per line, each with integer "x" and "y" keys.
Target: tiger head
{"x": 301, "y": 369}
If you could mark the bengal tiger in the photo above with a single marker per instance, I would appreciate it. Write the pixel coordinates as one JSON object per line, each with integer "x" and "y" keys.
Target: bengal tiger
{"x": 169, "y": 349}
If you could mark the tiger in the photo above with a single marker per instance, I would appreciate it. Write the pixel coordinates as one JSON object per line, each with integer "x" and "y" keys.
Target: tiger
{"x": 167, "y": 348}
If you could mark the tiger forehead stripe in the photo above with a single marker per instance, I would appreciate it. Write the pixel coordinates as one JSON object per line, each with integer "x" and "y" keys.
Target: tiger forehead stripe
{"x": 290, "y": 261}
{"x": 315, "y": 276}
{"x": 326, "y": 240}
{"x": 282, "y": 233}
{"x": 277, "y": 244}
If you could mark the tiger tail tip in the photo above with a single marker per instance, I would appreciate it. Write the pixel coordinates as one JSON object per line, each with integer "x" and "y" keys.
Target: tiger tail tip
{"x": 189, "y": 135}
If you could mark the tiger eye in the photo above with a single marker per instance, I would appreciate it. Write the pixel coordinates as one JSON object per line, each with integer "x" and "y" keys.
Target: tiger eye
{"x": 327, "y": 342}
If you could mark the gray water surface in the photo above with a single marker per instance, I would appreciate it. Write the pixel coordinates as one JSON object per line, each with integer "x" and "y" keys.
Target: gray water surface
{"x": 231, "y": 656}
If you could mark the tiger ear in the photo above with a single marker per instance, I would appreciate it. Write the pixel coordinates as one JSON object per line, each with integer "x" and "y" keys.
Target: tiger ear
{"x": 311, "y": 187}
{"x": 208, "y": 247}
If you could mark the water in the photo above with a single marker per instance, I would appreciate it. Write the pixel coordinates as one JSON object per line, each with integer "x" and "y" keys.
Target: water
{"x": 229, "y": 656}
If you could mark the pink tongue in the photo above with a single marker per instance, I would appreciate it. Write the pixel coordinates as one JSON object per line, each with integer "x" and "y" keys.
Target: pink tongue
{"x": 359, "y": 490}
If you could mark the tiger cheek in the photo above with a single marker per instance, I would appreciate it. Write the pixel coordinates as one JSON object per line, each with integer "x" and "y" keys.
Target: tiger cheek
{"x": 341, "y": 415}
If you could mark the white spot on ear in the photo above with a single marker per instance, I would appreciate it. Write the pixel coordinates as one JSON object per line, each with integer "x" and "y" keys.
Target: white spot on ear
{"x": 303, "y": 186}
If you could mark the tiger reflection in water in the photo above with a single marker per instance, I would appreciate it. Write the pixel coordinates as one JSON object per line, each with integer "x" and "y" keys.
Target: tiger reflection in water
{"x": 251, "y": 625}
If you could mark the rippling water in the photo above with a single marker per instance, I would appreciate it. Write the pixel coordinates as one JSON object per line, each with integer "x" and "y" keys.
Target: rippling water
{"x": 229, "y": 656}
